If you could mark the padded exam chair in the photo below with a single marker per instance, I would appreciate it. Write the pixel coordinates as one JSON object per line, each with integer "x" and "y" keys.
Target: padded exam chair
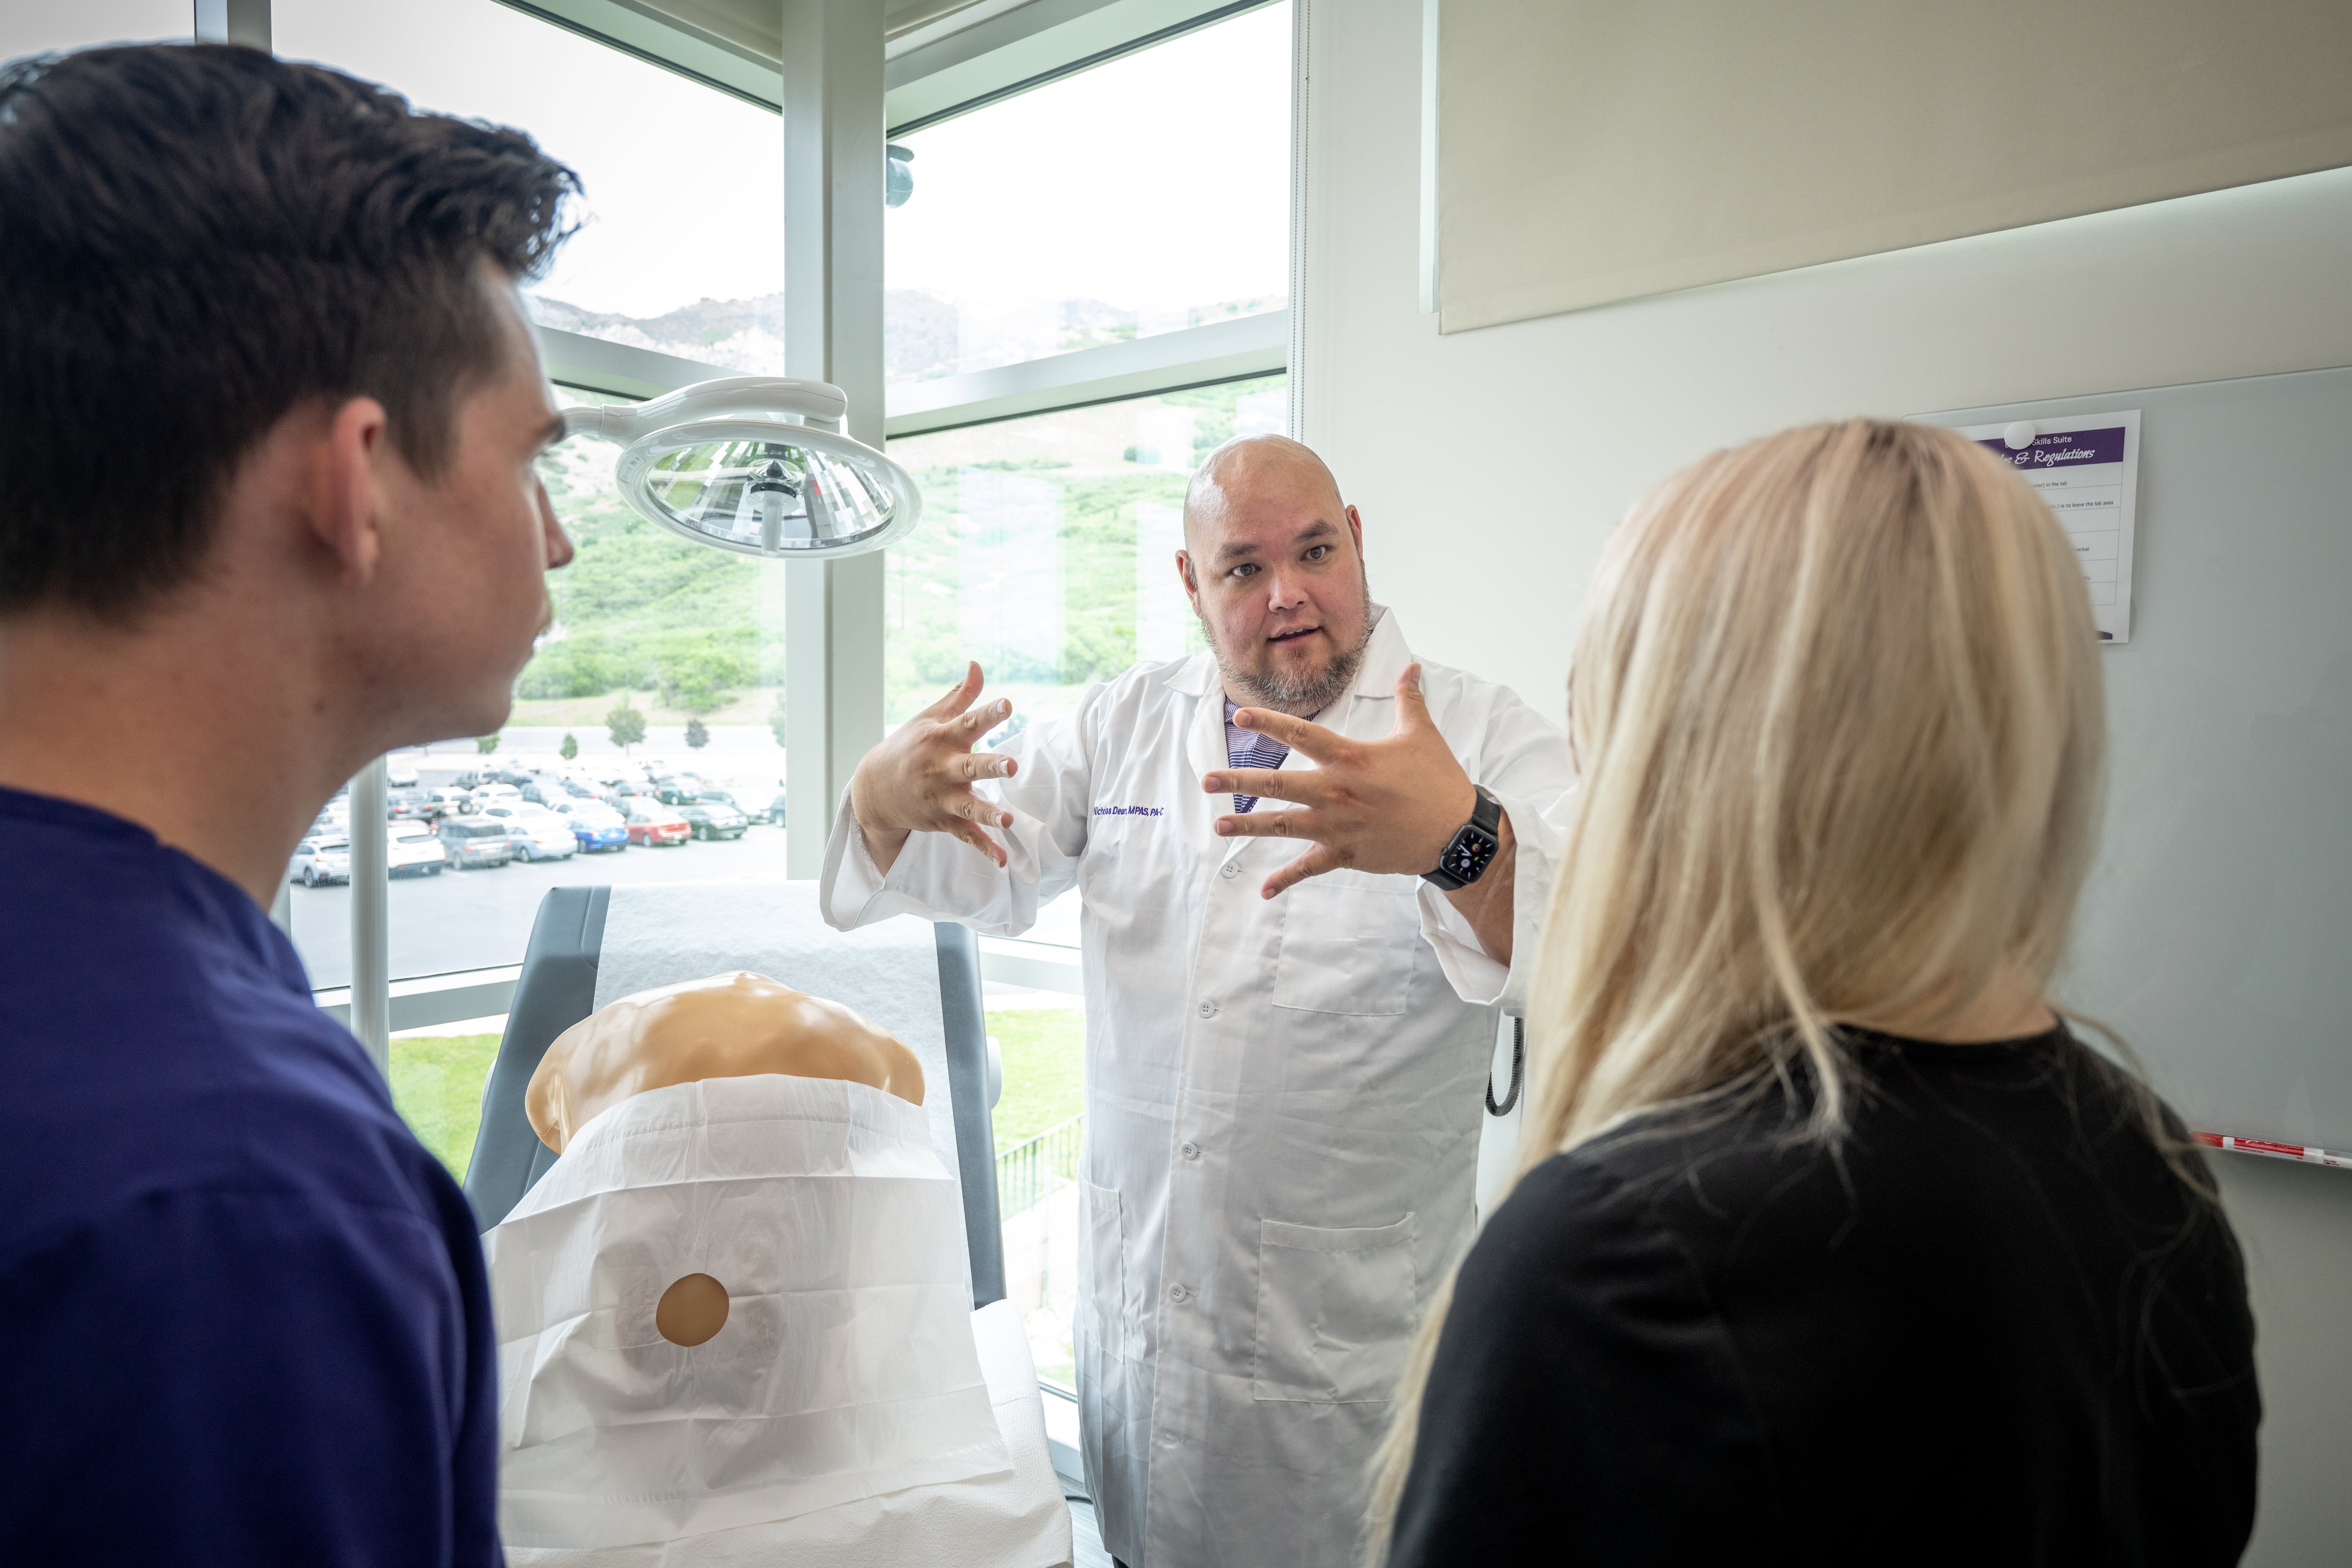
{"x": 558, "y": 988}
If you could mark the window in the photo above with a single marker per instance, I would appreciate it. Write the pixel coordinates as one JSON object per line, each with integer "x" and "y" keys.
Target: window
{"x": 664, "y": 671}
{"x": 1144, "y": 196}
{"x": 1047, "y": 547}
{"x": 1047, "y": 552}
{"x": 36, "y": 29}
{"x": 682, "y": 239}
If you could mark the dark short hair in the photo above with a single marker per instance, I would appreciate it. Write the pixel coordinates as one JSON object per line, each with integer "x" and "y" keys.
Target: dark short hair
{"x": 195, "y": 240}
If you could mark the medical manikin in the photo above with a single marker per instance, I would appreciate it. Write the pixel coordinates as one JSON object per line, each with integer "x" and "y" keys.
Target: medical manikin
{"x": 734, "y": 1317}
{"x": 730, "y": 1025}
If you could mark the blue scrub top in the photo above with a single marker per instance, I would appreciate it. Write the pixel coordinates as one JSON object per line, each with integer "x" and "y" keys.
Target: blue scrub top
{"x": 243, "y": 1312}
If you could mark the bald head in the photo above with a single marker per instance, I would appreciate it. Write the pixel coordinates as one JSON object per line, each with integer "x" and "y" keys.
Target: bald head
{"x": 1251, "y": 469}
{"x": 1273, "y": 563}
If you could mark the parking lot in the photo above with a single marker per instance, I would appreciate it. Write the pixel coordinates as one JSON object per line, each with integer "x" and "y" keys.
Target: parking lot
{"x": 480, "y": 918}
{"x": 474, "y": 919}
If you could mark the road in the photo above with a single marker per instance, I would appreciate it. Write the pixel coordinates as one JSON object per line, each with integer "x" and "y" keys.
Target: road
{"x": 474, "y": 919}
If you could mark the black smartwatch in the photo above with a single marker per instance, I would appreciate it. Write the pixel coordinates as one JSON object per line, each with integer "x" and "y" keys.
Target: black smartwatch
{"x": 1472, "y": 850}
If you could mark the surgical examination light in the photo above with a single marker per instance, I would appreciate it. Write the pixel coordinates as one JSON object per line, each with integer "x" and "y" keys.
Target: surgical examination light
{"x": 758, "y": 465}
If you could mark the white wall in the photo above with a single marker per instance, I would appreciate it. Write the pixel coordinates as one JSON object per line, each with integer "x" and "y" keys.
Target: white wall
{"x": 1490, "y": 464}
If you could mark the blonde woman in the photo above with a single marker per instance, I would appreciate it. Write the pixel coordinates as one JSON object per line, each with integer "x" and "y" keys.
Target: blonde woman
{"x": 1832, "y": 1243}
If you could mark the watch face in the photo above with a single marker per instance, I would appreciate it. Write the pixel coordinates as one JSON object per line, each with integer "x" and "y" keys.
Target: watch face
{"x": 1467, "y": 857}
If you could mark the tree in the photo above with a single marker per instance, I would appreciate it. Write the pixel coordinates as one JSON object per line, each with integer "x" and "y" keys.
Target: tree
{"x": 627, "y": 724}
{"x": 697, "y": 734}
{"x": 570, "y": 749}
{"x": 486, "y": 745}
{"x": 776, "y": 718}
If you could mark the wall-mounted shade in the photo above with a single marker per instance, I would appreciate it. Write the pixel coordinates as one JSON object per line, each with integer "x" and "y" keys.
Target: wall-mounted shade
{"x": 758, "y": 465}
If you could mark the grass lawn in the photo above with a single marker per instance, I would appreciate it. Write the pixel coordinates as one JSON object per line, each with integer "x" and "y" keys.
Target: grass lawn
{"x": 1044, "y": 1069}
{"x": 437, "y": 1083}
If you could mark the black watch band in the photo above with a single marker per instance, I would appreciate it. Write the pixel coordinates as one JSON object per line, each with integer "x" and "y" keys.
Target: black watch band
{"x": 1472, "y": 848}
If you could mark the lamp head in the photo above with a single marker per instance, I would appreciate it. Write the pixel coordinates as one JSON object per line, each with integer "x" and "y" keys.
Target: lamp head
{"x": 757, "y": 465}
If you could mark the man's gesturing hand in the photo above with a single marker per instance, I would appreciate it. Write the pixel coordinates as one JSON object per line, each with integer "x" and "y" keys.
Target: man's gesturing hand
{"x": 1372, "y": 806}
{"x": 919, "y": 780}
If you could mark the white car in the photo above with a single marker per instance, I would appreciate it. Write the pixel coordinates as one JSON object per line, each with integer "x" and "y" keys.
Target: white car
{"x": 415, "y": 850}
{"x": 484, "y": 796}
{"x": 321, "y": 859}
{"x": 536, "y": 833}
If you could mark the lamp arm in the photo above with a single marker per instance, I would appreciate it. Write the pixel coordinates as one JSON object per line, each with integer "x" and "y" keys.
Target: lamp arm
{"x": 779, "y": 398}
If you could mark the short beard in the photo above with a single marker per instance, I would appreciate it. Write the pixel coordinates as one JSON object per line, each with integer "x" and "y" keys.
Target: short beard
{"x": 1299, "y": 699}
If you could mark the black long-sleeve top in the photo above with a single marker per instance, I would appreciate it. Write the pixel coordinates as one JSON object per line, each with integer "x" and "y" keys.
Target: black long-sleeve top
{"x": 1994, "y": 1327}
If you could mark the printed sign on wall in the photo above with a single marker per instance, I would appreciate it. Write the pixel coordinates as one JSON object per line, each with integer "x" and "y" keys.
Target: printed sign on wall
{"x": 2087, "y": 469}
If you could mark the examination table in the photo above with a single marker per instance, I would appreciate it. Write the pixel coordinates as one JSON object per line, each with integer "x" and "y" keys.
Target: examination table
{"x": 592, "y": 944}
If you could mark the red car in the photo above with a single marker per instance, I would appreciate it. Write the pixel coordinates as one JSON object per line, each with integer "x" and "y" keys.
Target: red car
{"x": 650, "y": 822}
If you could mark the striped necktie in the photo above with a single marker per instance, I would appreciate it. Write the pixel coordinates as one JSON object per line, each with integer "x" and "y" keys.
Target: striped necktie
{"x": 1249, "y": 749}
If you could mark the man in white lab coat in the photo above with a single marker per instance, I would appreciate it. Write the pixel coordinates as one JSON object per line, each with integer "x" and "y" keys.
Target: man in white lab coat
{"x": 1285, "y": 1052}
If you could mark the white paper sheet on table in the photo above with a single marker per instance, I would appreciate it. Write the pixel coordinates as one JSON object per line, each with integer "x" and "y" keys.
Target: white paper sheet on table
{"x": 1015, "y": 1520}
{"x": 845, "y": 1369}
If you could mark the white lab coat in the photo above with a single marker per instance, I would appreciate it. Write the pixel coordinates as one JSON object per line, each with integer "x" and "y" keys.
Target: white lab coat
{"x": 1283, "y": 1098}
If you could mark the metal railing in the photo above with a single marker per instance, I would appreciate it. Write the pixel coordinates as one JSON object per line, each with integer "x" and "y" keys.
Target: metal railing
{"x": 1029, "y": 1173}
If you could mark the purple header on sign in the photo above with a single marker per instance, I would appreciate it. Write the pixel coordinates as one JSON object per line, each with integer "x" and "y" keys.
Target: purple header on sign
{"x": 2069, "y": 450}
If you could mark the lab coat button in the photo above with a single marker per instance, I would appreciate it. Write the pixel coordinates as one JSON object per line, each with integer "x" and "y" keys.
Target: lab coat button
{"x": 1177, "y": 1293}
{"x": 1191, "y": 1151}
{"x": 1208, "y": 1009}
{"x": 1230, "y": 869}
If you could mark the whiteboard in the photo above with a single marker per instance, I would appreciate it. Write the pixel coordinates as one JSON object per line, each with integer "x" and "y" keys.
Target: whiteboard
{"x": 2216, "y": 930}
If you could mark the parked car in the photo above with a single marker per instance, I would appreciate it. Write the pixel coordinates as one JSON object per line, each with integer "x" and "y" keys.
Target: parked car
{"x": 713, "y": 820}
{"x": 320, "y": 859}
{"x": 399, "y": 776}
{"x": 594, "y": 825}
{"x": 650, "y": 822}
{"x": 415, "y": 850}
{"x": 470, "y": 841}
{"x": 776, "y": 809}
{"x": 676, "y": 789}
{"x": 534, "y": 832}
{"x": 485, "y": 795}
{"x": 513, "y": 774}
{"x": 410, "y": 805}
{"x": 444, "y": 802}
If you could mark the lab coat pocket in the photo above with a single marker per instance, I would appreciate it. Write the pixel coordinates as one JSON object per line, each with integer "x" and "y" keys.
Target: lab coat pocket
{"x": 1104, "y": 1300}
{"x": 1348, "y": 944}
{"x": 1335, "y": 1311}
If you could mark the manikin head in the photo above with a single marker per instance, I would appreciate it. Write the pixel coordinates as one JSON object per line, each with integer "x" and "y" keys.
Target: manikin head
{"x": 729, "y": 1025}
{"x": 1273, "y": 563}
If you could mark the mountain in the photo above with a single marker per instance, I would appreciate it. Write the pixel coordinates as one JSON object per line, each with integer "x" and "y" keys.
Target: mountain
{"x": 924, "y": 333}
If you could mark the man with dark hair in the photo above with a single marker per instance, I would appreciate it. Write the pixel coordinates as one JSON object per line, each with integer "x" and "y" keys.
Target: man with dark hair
{"x": 269, "y": 411}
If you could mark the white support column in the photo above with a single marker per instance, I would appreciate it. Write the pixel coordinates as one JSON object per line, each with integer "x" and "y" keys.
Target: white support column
{"x": 833, "y": 175}
{"x": 1302, "y": 38}
{"x": 371, "y": 914}
{"x": 233, "y": 22}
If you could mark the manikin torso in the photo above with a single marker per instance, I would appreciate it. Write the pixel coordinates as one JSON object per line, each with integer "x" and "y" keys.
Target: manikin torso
{"x": 729, "y": 1025}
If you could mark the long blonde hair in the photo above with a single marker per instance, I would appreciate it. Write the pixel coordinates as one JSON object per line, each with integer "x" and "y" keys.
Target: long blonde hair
{"x": 1837, "y": 707}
